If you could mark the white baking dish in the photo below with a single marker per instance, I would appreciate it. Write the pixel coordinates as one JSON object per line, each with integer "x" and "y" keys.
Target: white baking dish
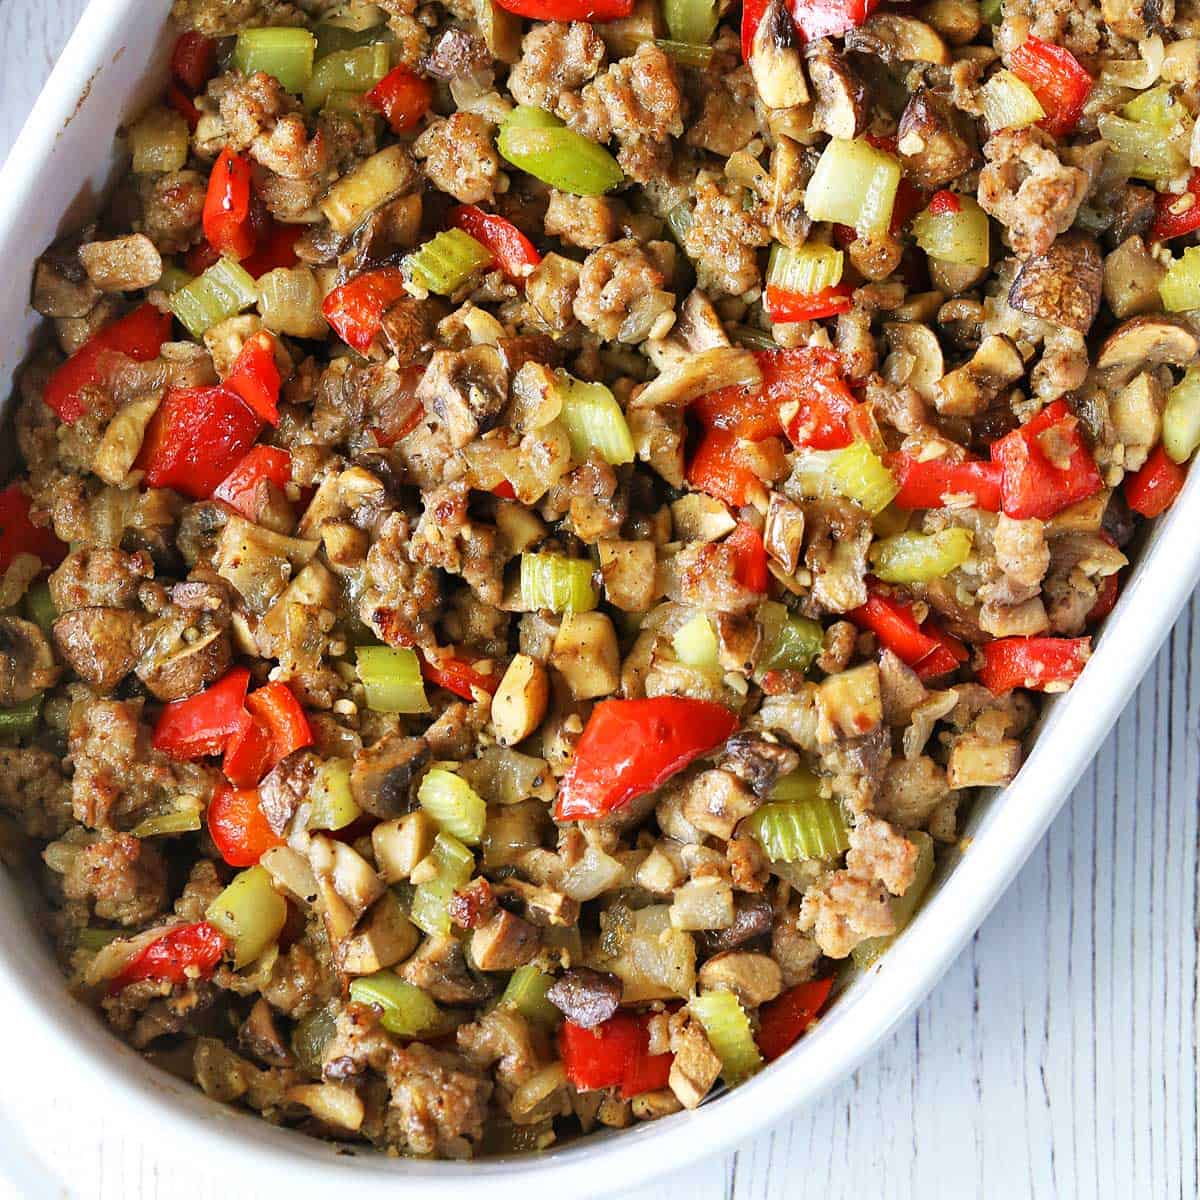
{"x": 61, "y": 161}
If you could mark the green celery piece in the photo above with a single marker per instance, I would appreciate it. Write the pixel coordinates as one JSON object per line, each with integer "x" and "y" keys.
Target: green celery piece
{"x": 728, "y": 1030}
{"x": 430, "y": 901}
{"x": 594, "y": 420}
{"x": 20, "y": 720}
{"x": 796, "y": 830}
{"x": 184, "y": 820}
{"x": 250, "y": 912}
{"x": 526, "y": 992}
{"x": 695, "y": 644}
{"x": 557, "y": 582}
{"x": 333, "y": 805}
{"x": 391, "y": 676}
{"x": 804, "y": 269}
{"x": 1157, "y": 106}
{"x": 903, "y": 907}
{"x": 920, "y": 557}
{"x": 679, "y": 222}
{"x": 801, "y": 784}
{"x": 94, "y": 940}
{"x": 963, "y": 237}
{"x": 222, "y": 291}
{"x": 689, "y": 54}
{"x": 286, "y": 53}
{"x": 792, "y": 642}
{"x": 357, "y": 70}
{"x": 447, "y": 261}
{"x": 39, "y": 607}
{"x": 1181, "y": 418}
{"x": 173, "y": 278}
{"x": 1141, "y": 149}
{"x": 453, "y": 805}
{"x": 858, "y": 473}
{"x": 313, "y": 1033}
{"x": 1180, "y": 286}
{"x": 690, "y": 20}
{"x": 407, "y": 1011}
{"x": 541, "y": 145}
{"x": 754, "y": 339}
{"x": 159, "y": 141}
{"x": 992, "y": 11}
{"x": 854, "y": 184}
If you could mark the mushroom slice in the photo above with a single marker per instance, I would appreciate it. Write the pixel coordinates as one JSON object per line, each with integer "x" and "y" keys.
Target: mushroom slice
{"x": 695, "y": 375}
{"x": 1063, "y": 285}
{"x": 969, "y": 389}
{"x": 841, "y": 107}
{"x": 916, "y": 357}
{"x": 1149, "y": 341}
{"x": 27, "y": 664}
{"x": 896, "y": 38}
{"x": 775, "y": 59}
{"x": 936, "y": 142}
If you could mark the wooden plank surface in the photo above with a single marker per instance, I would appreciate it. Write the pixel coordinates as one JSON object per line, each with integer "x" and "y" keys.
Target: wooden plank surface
{"x": 1057, "y": 1059}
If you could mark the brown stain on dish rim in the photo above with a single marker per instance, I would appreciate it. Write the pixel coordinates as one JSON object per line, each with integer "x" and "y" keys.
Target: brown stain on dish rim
{"x": 87, "y": 87}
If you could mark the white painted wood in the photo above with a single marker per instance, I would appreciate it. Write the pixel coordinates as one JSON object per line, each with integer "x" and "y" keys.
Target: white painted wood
{"x": 1057, "y": 1060}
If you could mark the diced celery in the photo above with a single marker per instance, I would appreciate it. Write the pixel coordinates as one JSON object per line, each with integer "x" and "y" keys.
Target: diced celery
{"x": 447, "y": 261}
{"x": 690, "y": 54}
{"x": 1009, "y": 103}
{"x": 250, "y": 912}
{"x": 356, "y": 70}
{"x": 173, "y": 278}
{"x": 903, "y": 907}
{"x": 94, "y": 940}
{"x": 679, "y": 222}
{"x": 955, "y": 237}
{"x": 557, "y": 582}
{"x": 541, "y": 145}
{"x": 20, "y": 720}
{"x": 430, "y": 901}
{"x": 313, "y": 1033}
{"x": 359, "y": 25}
{"x": 183, "y": 820}
{"x": 755, "y": 339}
{"x": 690, "y": 20}
{"x": 1180, "y": 286}
{"x": 696, "y": 644}
{"x": 804, "y": 269}
{"x": 853, "y": 184}
{"x": 594, "y": 420}
{"x": 454, "y": 805}
{"x": 1155, "y": 106}
{"x": 728, "y": 1029}
{"x": 795, "y": 830}
{"x": 920, "y": 557}
{"x": 333, "y": 805}
{"x": 159, "y": 141}
{"x": 992, "y": 11}
{"x": 221, "y": 292}
{"x": 39, "y": 607}
{"x": 801, "y": 784}
{"x": 858, "y": 473}
{"x": 407, "y": 1011}
{"x": 285, "y": 52}
{"x": 391, "y": 676}
{"x": 1181, "y": 418}
{"x": 1143, "y": 150}
{"x": 526, "y": 992}
{"x": 790, "y": 642}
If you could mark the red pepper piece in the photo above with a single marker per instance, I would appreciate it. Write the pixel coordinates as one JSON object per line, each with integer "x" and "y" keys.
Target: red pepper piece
{"x": 194, "y": 60}
{"x": 750, "y": 569}
{"x": 458, "y": 676}
{"x": 19, "y": 535}
{"x": 181, "y": 102}
{"x": 274, "y": 726}
{"x": 196, "y": 438}
{"x": 505, "y": 490}
{"x": 514, "y": 253}
{"x": 783, "y": 306}
{"x": 613, "y": 1054}
{"x": 276, "y": 248}
{"x": 1056, "y": 79}
{"x": 238, "y": 828}
{"x": 718, "y": 468}
{"x": 181, "y": 954}
{"x": 783, "y": 1020}
{"x": 226, "y": 219}
{"x": 630, "y": 747}
{"x": 255, "y": 376}
{"x": 944, "y": 202}
{"x": 569, "y": 10}
{"x": 356, "y": 309}
{"x": 908, "y": 202}
{"x": 1039, "y": 663}
{"x": 927, "y": 649}
{"x": 1155, "y": 487}
{"x": 202, "y": 724}
{"x": 403, "y": 97}
{"x": 138, "y": 335}
{"x": 1170, "y": 223}
{"x": 1031, "y": 485}
{"x": 247, "y": 753}
{"x": 926, "y": 484}
{"x": 825, "y": 418}
{"x": 752, "y": 14}
{"x": 242, "y": 487}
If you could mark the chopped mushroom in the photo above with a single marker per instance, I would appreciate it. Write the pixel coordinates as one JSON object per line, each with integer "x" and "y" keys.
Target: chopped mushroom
{"x": 752, "y": 977}
{"x": 775, "y": 60}
{"x": 586, "y": 997}
{"x": 1131, "y": 278}
{"x": 520, "y": 701}
{"x": 504, "y": 943}
{"x": 969, "y": 389}
{"x": 384, "y": 776}
{"x": 1063, "y": 285}
{"x": 27, "y": 664}
{"x": 896, "y": 38}
{"x": 1148, "y": 341}
{"x": 841, "y": 97}
{"x": 916, "y": 357}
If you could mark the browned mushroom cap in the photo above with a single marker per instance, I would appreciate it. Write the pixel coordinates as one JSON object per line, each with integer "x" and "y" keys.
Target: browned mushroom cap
{"x": 775, "y": 59}
{"x": 916, "y": 357}
{"x": 969, "y": 389}
{"x": 895, "y": 38}
{"x": 1063, "y": 285}
{"x": 841, "y": 97}
{"x": 1149, "y": 341}
{"x": 936, "y": 142}
{"x": 27, "y": 664}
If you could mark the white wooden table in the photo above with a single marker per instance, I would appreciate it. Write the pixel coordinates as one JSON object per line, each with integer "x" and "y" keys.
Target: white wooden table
{"x": 1057, "y": 1059}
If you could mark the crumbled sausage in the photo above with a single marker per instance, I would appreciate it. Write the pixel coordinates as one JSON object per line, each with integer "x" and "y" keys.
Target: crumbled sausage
{"x": 459, "y": 157}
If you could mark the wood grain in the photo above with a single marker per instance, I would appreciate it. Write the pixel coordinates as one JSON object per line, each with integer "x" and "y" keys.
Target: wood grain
{"x": 1057, "y": 1059}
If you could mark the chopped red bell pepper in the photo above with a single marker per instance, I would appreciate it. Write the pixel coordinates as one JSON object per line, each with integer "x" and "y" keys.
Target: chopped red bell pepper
{"x": 138, "y": 335}
{"x": 783, "y": 306}
{"x": 824, "y": 420}
{"x": 184, "y": 953}
{"x": 255, "y": 376}
{"x": 718, "y": 468}
{"x": 402, "y": 96}
{"x": 927, "y": 484}
{"x": 927, "y": 649}
{"x": 196, "y": 438}
{"x": 19, "y": 535}
{"x": 202, "y": 724}
{"x": 194, "y": 60}
{"x": 242, "y": 487}
{"x": 247, "y": 753}
{"x": 514, "y": 253}
{"x": 752, "y": 15}
{"x": 615, "y": 1053}
{"x": 1177, "y": 214}
{"x": 569, "y": 10}
{"x": 458, "y": 676}
{"x": 781, "y": 1021}
{"x": 274, "y": 727}
{"x": 355, "y": 310}
{"x": 1039, "y": 663}
{"x": 1045, "y": 465}
{"x": 944, "y": 202}
{"x": 1056, "y": 79}
{"x": 181, "y": 102}
{"x": 1153, "y": 489}
{"x": 276, "y": 248}
{"x": 226, "y": 219}
{"x": 505, "y": 490}
{"x": 750, "y": 569}
{"x": 630, "y": 747}
{"x": 238, "y": 828}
